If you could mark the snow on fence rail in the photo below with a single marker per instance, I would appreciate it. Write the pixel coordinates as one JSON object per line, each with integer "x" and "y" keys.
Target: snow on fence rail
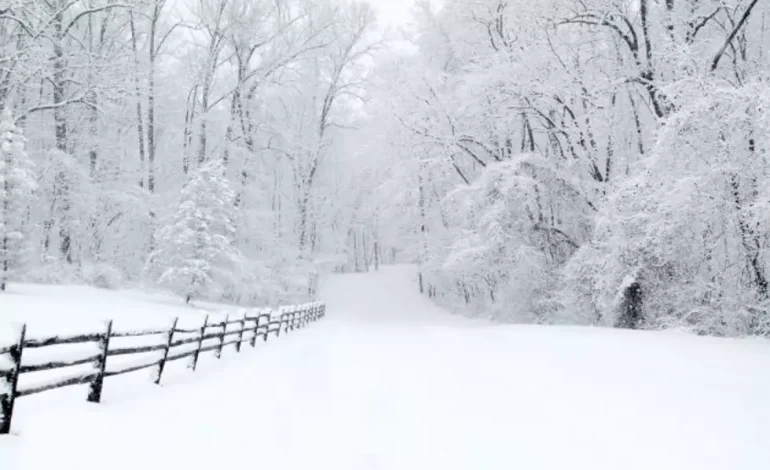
{"x": 250, "y": 328}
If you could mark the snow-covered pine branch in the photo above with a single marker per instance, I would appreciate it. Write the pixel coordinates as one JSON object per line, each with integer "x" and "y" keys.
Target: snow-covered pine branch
{"x": 195, "y": 254}
{"x": 17, "y": 186}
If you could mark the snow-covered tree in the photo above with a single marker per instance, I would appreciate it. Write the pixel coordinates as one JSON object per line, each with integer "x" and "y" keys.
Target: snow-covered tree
{"x": 691, "y": 229}
{"x": 513, "y": 228}
{"x": 195, "y": 254}
{"x": 17, "y": 184}
{"x": 581, "y": 161}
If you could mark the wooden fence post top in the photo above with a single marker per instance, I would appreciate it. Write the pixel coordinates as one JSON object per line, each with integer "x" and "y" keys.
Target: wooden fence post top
{"x": 97, "y": 384}
{"x": 197, "y": 352}
{"x": 162, "y": 363}
{"x": 222, "y": 336}
{"x": 9, "y": 393}
{"x": 240, "y": 333}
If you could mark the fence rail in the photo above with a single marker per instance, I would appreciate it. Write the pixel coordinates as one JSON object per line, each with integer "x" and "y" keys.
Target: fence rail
{"x": 249, "y": 329}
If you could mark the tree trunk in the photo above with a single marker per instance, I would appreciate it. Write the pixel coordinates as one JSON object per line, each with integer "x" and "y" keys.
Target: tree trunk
{"x": 750, "y": 240}
{"x": 139, "y": 116}
{"x": 202, "y": 130}
{"x": 93, "y": 120}
{"x": 631, "y": 308}
{"x": 60, "y": 130}
{"x": 6, "y": 210}
{"x": 423, "y": 223}
{"x": 189, "y": 122}
{"x": 304, "y": 202}
{"x": 660, "y": 103}
{"x": 151, "y": 147}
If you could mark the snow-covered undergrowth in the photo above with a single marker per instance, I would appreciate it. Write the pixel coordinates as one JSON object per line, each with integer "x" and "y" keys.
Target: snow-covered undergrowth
{"x": 65, "y": 309}
{"x": 389, "y": 381}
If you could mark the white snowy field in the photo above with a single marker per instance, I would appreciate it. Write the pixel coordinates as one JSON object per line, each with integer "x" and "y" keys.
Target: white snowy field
{"x": 49, "y": 310}
{"x": 390, "y": 382}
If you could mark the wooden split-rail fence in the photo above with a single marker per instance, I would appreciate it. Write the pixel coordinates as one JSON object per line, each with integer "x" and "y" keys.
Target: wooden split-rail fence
{"x": 247, "y": 328}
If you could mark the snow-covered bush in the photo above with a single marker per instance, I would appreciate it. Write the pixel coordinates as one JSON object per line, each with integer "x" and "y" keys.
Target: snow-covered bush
{"x": 285, "y": 278}
{"x": 515, "y": 226}
{"x": 102, "y": 275}
{"x": 50, "y": 270}
{"x": 692, "y": 228}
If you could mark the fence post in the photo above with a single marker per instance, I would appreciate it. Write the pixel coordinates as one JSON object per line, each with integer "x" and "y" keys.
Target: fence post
{"x": 240, "y": 335}
{"x": 256, "y": 330}
{"x": 268, "y": 314}
{"x": 200, "y": 344}
{"x": 222, "y": 337}
{"x": 95, "y": 388}
{"x": 162, "y": 363}
{"x": 8, "y": 398}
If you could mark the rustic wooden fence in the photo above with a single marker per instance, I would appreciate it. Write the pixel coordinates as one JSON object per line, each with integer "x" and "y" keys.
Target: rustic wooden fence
{"x": 224, "y": 333}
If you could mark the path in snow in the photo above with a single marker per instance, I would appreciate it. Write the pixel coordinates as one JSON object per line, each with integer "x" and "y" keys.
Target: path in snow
{"x": 388, "y": 381}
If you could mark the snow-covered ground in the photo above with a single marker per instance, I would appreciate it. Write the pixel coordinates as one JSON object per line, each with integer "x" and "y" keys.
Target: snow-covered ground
{"x": 70, "y": 310}
{"x": 388, "y": 381}
{"x": 50, "y": 310}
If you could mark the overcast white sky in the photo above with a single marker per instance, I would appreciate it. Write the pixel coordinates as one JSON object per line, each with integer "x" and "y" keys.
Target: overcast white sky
{"x": 393, "y": 12}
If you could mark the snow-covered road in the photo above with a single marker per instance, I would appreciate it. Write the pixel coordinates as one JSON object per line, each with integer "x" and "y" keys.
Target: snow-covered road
{"x": 389, "y": 381}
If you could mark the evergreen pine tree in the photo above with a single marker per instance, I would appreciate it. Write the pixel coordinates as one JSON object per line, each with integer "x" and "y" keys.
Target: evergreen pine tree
{"x": 195, "y": 253}
{"x": 17, "y": 184}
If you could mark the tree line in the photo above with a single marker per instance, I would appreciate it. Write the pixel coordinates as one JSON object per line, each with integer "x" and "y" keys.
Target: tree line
{"x": 176, "y": 143}
{"x": 583, "y": 161}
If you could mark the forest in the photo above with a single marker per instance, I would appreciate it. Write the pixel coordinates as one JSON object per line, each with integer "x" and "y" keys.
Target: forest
{"x": 592, "y": 162}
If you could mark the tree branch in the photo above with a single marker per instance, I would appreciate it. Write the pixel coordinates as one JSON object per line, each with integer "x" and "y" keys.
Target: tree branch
{"x": 92, "y": 11}
{"x": 733, "y": 33}
{"x": 697, "y": 26}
